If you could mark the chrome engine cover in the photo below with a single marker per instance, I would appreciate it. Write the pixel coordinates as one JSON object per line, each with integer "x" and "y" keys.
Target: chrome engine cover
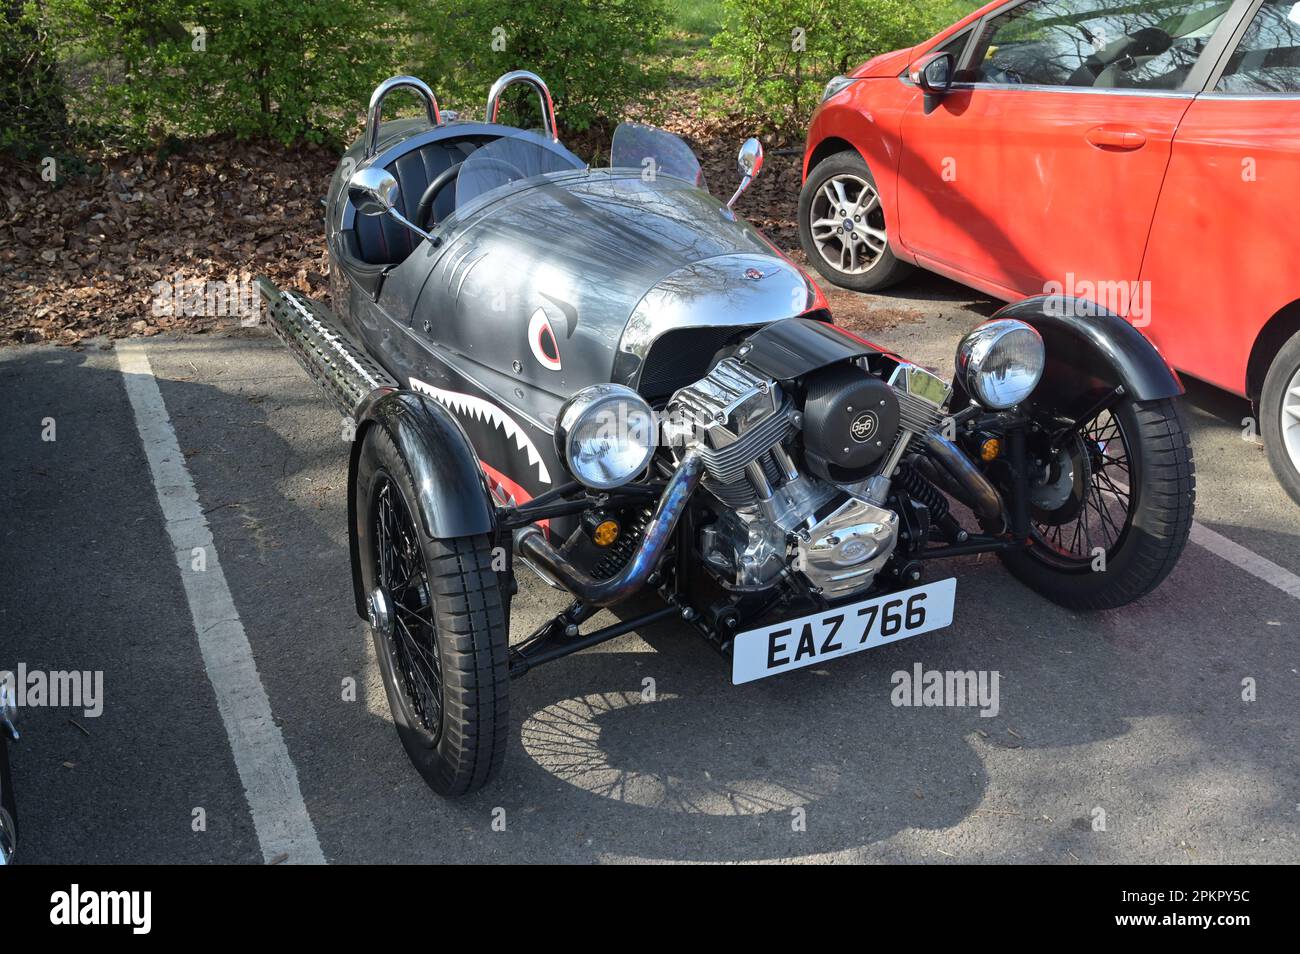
{"x": 843, "y": 553}
{"x": 738, "y": 422}
{"x": 731, "y": 417}
{"x": 744, "y": 551}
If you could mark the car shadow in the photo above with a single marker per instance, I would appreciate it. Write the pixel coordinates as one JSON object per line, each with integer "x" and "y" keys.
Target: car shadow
{"x": 1224, "y": 406}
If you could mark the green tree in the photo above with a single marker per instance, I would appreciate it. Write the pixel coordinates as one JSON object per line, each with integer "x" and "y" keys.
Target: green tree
{"x": 780, "y": 53}
{"x": 593, "y": 54}
{"x": 275, "y": 68}
{"x": 33, "y": 114}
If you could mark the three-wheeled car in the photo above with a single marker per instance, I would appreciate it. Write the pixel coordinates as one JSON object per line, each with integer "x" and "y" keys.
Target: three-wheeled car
{"x": 608, "y": 378}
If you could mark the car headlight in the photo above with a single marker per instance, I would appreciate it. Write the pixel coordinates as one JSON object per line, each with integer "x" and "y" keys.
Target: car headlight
{"x": 836, "y": 85}
{"x": 605, "y": 435}
{"x": 1000, "y": 362}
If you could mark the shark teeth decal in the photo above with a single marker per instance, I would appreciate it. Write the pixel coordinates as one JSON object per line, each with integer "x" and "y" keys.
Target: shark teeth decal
{"x": 467, "y": 405}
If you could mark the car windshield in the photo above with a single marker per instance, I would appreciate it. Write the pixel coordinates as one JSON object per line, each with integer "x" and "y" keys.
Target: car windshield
{"x": 502, "y": 162}
{"x": 651, "y": 152}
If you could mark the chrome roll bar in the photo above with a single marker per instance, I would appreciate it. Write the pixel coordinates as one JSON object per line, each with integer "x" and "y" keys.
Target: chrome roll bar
{"x": 377, "y": 103}
{"x": 543, "y": 96}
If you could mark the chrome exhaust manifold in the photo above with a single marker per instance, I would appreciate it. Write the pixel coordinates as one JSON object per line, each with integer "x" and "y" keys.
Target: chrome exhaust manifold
{"x": 534, "y": 549}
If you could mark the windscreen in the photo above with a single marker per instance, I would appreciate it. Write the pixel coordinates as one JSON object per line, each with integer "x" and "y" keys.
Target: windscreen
{"x": 502, "y": 162}
{"x": 653, "y": 152}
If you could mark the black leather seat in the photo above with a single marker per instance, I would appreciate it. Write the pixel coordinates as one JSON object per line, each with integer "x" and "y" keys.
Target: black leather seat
{"x": 381, "y": 239}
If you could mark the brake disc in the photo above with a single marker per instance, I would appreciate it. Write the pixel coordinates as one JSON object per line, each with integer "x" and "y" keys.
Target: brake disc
{"x": 1058, "y": 496}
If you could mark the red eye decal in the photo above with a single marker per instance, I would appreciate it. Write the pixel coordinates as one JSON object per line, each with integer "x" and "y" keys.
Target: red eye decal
{"x": 542, "y": 342}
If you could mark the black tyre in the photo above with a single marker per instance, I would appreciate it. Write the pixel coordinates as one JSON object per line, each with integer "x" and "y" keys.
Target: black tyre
{"x": 842, "y": 226}
{"x": 439, "y": 628}
{"x": 1279, "y": 411}
{"x": 1112, "y": 511}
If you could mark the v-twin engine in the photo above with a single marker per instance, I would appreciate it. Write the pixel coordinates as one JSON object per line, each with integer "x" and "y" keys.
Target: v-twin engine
{"x": 800, "y": 469}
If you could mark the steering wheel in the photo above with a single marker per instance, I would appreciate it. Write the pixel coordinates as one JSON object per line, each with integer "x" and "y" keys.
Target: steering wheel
{"x": 424, "y": 211}
{"x": 1003, "y": 74}
{"x": 508, "y": 170}
{"x": 1121, "y": 54}
{"x": 1150, "y": 41}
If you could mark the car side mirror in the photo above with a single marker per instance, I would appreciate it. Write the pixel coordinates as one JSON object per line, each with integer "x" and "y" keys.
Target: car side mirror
{"x": 750, "y": 164}
{"x": 933, "y": 73}
{"x": 373, "y": 190}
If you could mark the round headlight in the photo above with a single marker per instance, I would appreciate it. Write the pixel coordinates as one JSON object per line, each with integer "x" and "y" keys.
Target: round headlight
{"x": 1000, "y": 362}
{"x": 837, "y": 85}
{"x": 605, "y": 435}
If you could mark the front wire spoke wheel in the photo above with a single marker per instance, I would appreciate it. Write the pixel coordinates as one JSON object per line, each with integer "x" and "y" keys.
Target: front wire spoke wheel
{"x": 413, "y": 635}
{"x": 438, "y": 620}
{"x": 1098, "y": 506}
{"x": 1111, "y": 503}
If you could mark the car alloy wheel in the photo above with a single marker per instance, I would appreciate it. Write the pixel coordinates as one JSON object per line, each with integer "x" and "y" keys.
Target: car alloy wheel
{"x": 1290, "y": 411}
{"x": 847, "y": 224}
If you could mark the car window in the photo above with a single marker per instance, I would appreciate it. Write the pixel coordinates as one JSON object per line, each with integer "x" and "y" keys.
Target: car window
{"x": 955, "y": 46}
{"x": 1101, "y": 44}
{"x": 1267, "y": 60}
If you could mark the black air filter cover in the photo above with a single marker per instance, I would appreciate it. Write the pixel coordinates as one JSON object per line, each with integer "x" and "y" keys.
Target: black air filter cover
{"x": 850, "y": 420}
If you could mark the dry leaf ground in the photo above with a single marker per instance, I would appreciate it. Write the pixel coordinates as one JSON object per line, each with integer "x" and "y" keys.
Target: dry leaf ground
{"x": 93, "y": 253}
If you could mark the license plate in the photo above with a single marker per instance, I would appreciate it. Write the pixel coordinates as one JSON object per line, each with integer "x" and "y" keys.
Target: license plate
{"x": 809, "y": 640}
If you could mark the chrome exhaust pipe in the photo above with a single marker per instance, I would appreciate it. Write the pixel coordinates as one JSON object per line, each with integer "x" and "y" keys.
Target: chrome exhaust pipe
{"x": 342, "y": 370}
{"x": 535, "y": 549}
{"x": 966, "y": 482}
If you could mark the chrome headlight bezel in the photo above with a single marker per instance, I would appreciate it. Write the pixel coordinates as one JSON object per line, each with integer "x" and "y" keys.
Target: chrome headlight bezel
{"x": 837, "y": 85}
{"x": 614, "y": 410}
{"x": 995, "y": 351}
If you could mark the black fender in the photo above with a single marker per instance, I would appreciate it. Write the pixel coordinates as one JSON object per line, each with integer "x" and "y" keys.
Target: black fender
{"x": 453, "y": 495}
{"x": 1090, "y": 351}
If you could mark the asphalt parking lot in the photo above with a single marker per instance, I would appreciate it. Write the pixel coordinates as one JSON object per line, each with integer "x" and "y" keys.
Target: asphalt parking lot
{"x": 1133, "y": 718}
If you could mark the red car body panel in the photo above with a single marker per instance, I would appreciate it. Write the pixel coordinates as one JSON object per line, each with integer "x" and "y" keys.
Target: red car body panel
{"x": 1222, "y": 257}
{"x": 1141, "y": 201}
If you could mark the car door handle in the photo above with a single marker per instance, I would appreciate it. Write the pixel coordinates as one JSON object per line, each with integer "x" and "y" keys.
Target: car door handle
{"x": 1115, "y": 137}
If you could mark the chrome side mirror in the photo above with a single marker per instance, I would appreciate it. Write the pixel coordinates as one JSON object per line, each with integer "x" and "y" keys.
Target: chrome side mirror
{"x": 374, "y": 191}
{"x": 750, "y": 164}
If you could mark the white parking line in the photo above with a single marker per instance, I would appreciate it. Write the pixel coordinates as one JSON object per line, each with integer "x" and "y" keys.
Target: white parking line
{"x": 1248, "y": 560}
{"x": 268, "y": 775}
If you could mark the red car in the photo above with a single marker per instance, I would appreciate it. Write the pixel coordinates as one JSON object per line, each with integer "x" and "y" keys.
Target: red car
{"x": 1143, "y": 155}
